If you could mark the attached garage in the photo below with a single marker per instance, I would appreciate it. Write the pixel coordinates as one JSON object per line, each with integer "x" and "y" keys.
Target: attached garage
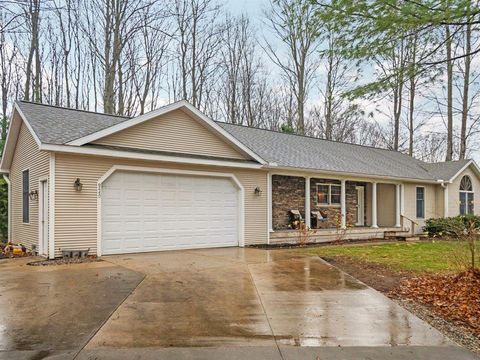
{"x": 152, "y": 211}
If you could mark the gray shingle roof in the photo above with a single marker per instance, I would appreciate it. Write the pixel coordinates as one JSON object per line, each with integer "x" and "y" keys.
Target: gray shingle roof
{"x": 57, "y": 125}
{"x": 312, "y": 153}
{"x": 445, "y": 170}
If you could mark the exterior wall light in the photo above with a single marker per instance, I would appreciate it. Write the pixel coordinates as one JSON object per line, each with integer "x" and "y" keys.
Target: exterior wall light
{"x": 78, "y": 185}
{"x": 33, "y": 195}
{"x": 258, "y": 191}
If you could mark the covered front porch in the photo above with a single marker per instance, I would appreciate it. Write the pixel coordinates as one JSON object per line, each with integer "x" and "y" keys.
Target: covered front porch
{"x": 334, "y": 207}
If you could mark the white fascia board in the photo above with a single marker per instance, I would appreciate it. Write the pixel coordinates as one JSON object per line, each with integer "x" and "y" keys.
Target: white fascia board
{"x": 182, "y": 104}
{"x": 277, "y": 170}
{"x": 471, "y": 162}
{"x": 142, "y": 156}
{"x": 12, "y": 136}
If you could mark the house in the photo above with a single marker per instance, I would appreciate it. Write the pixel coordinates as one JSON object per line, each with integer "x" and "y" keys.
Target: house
{"x": 175, "y": 179}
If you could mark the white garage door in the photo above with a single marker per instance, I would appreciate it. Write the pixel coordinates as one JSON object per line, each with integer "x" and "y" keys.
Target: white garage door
{"x": 150, "y": 212}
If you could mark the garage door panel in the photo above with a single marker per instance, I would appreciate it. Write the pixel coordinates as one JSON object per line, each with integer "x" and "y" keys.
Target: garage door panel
{"x": 150, "y": 212}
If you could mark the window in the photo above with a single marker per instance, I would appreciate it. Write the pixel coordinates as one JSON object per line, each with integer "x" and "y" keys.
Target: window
{"x": 328, "y": 194}
{"x": 420, "y": 202}
{"x": 466, "y": 196}
{"x": 26, "y": 196}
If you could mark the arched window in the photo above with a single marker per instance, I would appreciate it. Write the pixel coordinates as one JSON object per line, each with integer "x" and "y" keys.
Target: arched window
{"x": 466, "y": 196}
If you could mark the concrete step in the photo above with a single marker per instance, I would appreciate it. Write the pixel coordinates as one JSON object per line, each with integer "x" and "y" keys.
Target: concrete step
{"x": 408, "y": 238}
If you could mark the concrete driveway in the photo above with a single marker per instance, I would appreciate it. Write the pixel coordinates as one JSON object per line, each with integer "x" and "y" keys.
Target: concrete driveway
{"x": 230, "y": 304}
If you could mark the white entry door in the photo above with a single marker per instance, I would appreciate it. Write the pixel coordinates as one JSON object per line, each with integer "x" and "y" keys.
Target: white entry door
{"x": 150, "y": 212}
{"x": 360, "y": 205}
{"x": 43, "y": 217}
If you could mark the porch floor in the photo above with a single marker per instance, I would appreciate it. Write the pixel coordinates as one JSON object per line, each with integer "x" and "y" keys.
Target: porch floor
{"x": 328, "y": 235}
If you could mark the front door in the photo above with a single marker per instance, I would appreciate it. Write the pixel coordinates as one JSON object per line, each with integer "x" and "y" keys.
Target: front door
{"x": 43, "y": 204}
{"x": 360, "y": 206}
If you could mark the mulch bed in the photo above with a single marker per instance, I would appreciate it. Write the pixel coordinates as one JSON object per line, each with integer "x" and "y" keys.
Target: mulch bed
{"x": 62, "y": 261}
{"x": 450, "y": 303}
{"x": 454, "y": 297}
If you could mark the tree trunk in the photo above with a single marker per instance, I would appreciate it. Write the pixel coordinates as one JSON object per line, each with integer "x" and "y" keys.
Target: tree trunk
{"x": 466, "y": 85}
{"x": 448, "y": 43}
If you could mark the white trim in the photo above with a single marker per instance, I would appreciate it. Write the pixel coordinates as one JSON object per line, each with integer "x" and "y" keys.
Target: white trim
{"x": 329, "y": 203}
{"x": 28, "y": 195}
{"x": 143, "y": 156}
{"x": 51, "y": 208}
{"x": 24, "y": 118}
{"x": 398, "y": 209}
{"x": 307, "y": 202}
{"x": 114, "y": 168}
{"x": 269, "y": 206}
{"x": 402, "y": 201}
{"x": 445, "y": 200}
{"x": 41, "y": 250}
{"x": 339, "y": 175}
{"x": 466, "y": 196}
{"x": 362, "y": 189}
{"x": 9, "y": 207}
{"x": 182, "y": 104}
{"x": 374, "y": 205}
{"x": 424, "y": 203}
{"x": 470, "y": 162}
{"x": 343, "y": 205}
{"x": 14, "y": 130}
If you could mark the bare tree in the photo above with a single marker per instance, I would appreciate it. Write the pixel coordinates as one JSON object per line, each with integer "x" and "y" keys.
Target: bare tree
{"x": 292, "y": 22}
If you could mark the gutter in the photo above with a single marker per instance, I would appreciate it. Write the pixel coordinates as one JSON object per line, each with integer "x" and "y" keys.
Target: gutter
{"x": 347, "y": 175}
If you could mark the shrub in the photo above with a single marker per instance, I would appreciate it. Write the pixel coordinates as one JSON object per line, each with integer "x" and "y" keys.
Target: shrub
{"x": 452, "y": 226}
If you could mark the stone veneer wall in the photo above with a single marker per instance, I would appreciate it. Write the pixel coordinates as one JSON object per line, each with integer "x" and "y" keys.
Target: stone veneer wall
{"x": 332, "y": 212}
{"x": 288, "y": 193}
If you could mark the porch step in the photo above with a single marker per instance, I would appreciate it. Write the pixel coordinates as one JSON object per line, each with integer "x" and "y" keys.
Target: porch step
{"x": 408, "y": 238}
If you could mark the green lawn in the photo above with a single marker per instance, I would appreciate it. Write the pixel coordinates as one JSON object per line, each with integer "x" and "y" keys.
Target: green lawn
{"x": 425, "y": 256}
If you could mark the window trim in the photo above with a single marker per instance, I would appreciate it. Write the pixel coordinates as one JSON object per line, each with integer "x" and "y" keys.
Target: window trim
{"x": 424, "y": 202}
{"x": 466, "y": 192}
{"x": 329, "y": 195}
{"x": 28, "y": 196}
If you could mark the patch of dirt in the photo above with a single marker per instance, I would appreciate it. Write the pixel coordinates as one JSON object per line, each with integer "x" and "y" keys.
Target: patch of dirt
{"x": 87, "y": 259}
{"x": 319, "y": 244}
{"x": 449, "y": 303}
{"x": 378, "y": 276}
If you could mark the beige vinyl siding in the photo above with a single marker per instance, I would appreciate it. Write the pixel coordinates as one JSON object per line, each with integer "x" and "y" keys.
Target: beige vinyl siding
{"x": 26, "y": 156}
{"x": 430, "y": 203}
{"x": 173, "y": 132}
{"x": 76, "y": 212}
{"x": 453, "y": 193}
{"x": 386, "y": 206}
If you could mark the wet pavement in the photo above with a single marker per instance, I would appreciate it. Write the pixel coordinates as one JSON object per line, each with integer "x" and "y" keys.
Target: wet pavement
{"x": 214, "y": 304}
{"x": 46, "y": 309}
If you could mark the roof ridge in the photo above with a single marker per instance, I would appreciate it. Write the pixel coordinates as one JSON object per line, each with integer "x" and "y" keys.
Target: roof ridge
{"x": 73, "y": 109}
{"x": 317, "y": 138}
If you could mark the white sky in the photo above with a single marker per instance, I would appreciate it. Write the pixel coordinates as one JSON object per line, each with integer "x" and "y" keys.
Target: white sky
{"x": 254, "y": 9}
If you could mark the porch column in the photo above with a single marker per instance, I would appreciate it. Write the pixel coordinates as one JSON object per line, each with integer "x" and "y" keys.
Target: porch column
{"x": 307, "y": 201}
{"x": 374, "y": 205}
{"x": 397, "y": 205}
{"x": 343, "y": 210}
{"x": 269, "y": 200}
{"x": 445, "y": 200}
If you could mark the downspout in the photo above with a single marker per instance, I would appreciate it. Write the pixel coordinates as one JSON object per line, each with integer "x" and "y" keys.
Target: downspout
{"x": 445, "y": 198}
{"x": 9, "y": 205}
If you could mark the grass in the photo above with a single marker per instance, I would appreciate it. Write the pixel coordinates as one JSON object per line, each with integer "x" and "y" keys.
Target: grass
{"x": 425, "y": 256}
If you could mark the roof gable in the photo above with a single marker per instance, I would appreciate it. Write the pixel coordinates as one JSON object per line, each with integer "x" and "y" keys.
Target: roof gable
{"x": 184, "y": 106}
{"x": 173, "y": 132}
